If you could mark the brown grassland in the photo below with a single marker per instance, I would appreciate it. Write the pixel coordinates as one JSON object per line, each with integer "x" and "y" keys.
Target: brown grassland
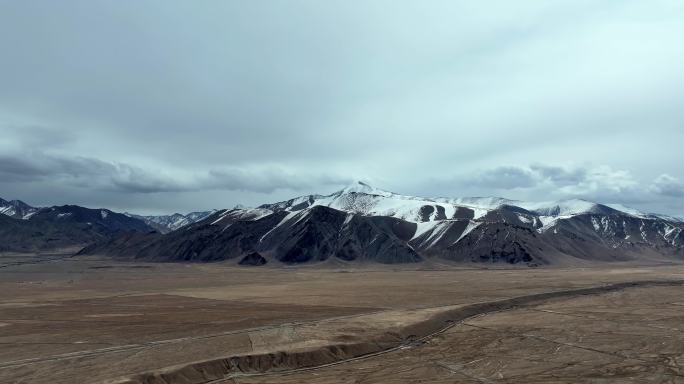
{"x": 95, "y": 320}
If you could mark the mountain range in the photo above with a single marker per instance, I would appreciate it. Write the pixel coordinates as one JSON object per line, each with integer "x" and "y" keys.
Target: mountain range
{"x": 27, "y": 228}
{"x": 361, "y": 223}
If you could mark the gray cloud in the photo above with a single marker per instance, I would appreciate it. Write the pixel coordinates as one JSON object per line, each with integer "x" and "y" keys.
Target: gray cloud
{"x": 504, "y": 178}
{"x": 551, "y": 182}
{"x": 93, "y": 173}
{"x": 36, "y": 136}
{"x": 181, "y": 106}
{"x": 668, "y": 186}
{"x": 570, "y": 180}
{"x": 559, "y": 175}
{"x": 35, "y": 165}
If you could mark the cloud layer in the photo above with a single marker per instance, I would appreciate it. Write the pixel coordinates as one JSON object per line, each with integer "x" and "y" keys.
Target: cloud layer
{"x": 166, "y": 106}
{"x": 95, "y": 174}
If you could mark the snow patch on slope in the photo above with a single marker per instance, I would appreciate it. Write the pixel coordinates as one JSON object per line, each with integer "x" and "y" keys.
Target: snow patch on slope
{"x": 298, "y": 215}
{"x": 423, "y": 227}
{"x": 438, "y": 232}
{"x": 250, "y": 214}
{"x": 469, "y": 228}
{"x": 524, "y": 219}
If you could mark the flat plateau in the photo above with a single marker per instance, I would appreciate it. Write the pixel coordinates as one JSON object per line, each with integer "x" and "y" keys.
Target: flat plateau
{"x": 94, "y": 320}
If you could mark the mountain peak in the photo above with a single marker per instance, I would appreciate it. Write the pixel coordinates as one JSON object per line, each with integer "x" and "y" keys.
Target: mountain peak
{"x": 362, "y": 187}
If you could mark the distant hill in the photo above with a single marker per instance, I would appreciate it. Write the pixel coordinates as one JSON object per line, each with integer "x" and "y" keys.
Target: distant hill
{"x": 168, "y": 223}
{"x": 63, "y": 226}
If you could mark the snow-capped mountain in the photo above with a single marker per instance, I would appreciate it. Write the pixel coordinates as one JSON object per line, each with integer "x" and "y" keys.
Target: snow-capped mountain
{"x": 16, "y": 209}
{"x": 168, "y": 223}
{"x": 361, "y": 222}
{"x": 361, "y": 198}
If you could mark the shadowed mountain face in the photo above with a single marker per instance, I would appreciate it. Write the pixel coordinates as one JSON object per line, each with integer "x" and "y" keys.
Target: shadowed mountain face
{"x": 64, "y": 226}
{"x": 361, "y": 223}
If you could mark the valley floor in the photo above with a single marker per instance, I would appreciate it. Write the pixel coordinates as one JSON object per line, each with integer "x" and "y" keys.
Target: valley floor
{"x": 93, "y": 320}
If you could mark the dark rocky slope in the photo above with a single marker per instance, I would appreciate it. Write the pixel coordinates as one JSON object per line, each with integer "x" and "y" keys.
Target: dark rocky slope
{"x": 65, "y": 226}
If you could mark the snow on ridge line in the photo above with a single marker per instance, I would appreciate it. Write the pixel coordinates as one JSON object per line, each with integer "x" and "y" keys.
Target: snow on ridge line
{"x": 488, "y": 203}
{"x": 560, "y": 208}
{"x": 393, "y": 205}
{"x": 374, "y": 201}
{"x": 361, "y": 187}
{"x": 361, "y": 198}
{"x": 409, "y": 210}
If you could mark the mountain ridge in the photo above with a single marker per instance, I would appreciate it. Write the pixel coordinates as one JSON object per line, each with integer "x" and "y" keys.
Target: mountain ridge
{"x": 64, "y": 226}
{"x": 361, "y": 222}
{"x": 163, "y": 223}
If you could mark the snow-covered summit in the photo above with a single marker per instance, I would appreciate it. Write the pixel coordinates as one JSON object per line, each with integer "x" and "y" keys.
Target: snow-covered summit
{"x": 361, "y": 187}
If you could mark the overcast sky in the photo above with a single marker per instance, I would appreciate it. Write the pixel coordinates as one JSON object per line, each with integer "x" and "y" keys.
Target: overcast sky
{"x": 165, "y": 106}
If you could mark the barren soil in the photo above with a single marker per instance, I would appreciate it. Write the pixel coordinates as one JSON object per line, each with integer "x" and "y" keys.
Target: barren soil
{"x": 92, "y": 320}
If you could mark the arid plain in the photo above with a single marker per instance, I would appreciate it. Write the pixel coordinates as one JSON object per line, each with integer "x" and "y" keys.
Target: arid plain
{"x": 94, "y": 320}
